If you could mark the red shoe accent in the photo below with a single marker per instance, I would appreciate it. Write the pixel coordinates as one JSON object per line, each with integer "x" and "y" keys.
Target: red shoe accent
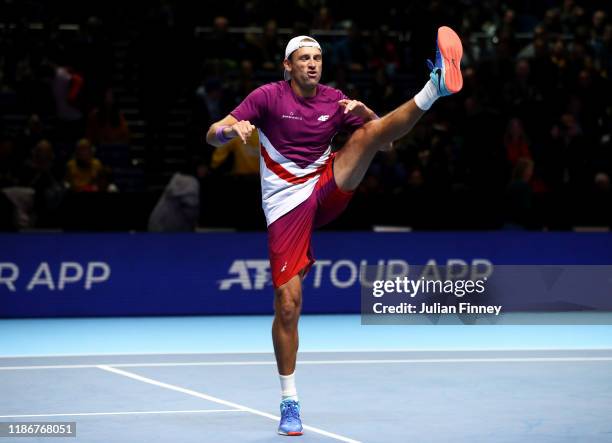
{"x": 451, "y": 49}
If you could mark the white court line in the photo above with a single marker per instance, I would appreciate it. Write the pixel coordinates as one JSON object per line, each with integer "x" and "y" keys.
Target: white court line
{"x": 10, "y": 368}
{"x": 218, "y": 400}
{"x": 82, "y": 414}
{"x": 313, "y": 351}
{"x": 321, "y": 362}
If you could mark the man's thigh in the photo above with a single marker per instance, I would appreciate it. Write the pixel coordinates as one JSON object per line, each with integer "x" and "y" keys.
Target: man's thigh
{"x": 354, "y": 158}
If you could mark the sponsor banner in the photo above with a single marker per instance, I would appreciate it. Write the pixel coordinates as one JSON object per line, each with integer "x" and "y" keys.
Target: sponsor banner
{"x": 51, "y": 275}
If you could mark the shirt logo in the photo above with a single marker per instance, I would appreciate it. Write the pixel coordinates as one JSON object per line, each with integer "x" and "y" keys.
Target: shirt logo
{"x": 292, "y": 116}
{"x": 284, "y": 267}
{"x": 323, "y": 118}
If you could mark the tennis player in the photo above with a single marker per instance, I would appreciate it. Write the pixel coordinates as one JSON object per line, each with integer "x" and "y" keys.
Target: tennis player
{"x": 305, "y": 185}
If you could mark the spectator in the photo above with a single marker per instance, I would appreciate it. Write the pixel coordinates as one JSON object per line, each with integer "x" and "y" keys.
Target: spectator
{"x": 552, "y": 21}
{"x": 352, "y": 50}
{"x": 530, "y": 51}
{"x": 323, "y": 20}
{"x": 84, "y": 172}
{"x": 67, "y": 86}
{"x": 39, "y": 167}
{"x": 272, "y": 49}
{"x": 559, "y": 58}
{"x": 342, "y": 82}
{"x": 106, "y": 123}
{"x": 20, "y": 207}
{"x": 383, "y": 54}
{"x": 572, "y": 15}
{"x": 246, "y": 81}
{"x": 516, "y": 142}
{"x": 178, "y": 207}
{"x": 250, "y": 49}
{"x": 212, "y": 101}
{"x": 573, "y": 150}
{"x": 599, "y": 22}
{"x": 40, "y": 174}
{"x": 31, "y": 135}
{"x": 520, "y": 94}
{"x": 220, "y": 43}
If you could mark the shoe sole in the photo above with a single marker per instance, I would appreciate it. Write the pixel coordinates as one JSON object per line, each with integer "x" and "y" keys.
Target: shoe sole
{"x": 291, "y": 434}
{"x": 451, "y": 49}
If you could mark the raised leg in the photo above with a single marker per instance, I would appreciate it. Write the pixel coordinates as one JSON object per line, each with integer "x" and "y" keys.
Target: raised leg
{"x": 353, "y": 160}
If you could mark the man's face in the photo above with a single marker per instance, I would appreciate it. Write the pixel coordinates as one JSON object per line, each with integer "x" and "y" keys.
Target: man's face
{"x": 305, "y": 66}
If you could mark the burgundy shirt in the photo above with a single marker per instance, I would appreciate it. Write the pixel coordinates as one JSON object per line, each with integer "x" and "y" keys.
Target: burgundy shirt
{"x": 300, "y": 128}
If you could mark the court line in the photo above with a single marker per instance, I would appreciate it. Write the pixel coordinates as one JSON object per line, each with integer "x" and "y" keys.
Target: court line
{"x": 314, "y": 351}
{"x": 218, "y": 400}
{"x": 80, "y": 414}
{"x": 321, "y": 362}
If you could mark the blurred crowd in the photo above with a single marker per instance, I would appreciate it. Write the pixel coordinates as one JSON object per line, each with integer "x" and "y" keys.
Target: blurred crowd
{"x": 114, "y": 108}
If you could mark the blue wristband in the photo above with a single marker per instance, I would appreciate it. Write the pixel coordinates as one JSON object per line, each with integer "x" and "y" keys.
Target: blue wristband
{"x": 221, "y": 136}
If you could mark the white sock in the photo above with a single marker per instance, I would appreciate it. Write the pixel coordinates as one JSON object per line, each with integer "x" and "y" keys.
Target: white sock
{"x": 288, "y": 389}
{"x": 427, "y": 96}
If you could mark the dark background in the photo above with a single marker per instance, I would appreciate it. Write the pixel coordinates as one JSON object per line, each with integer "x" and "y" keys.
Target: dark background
{"x": 525, "y": 145}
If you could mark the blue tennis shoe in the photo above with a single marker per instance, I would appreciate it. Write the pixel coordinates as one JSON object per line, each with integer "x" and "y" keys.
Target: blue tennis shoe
{"x": 290, "y": 422}
{"x": 446, "y": 71}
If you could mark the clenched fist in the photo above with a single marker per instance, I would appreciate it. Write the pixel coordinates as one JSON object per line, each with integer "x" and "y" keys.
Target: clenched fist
{"x": 242, "y": 129}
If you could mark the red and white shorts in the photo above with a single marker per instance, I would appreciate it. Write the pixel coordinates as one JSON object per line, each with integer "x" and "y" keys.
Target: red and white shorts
{"x": 289, "y": 242}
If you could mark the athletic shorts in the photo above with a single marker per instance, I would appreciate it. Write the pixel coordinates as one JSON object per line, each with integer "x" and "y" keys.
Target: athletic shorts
{"x": 289, "y": 237}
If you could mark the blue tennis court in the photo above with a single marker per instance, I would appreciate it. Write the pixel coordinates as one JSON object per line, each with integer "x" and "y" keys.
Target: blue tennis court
{"x": 214, "y": 379}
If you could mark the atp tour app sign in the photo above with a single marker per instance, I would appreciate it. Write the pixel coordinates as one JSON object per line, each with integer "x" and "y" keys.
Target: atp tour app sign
{"x": 47, "y": 275}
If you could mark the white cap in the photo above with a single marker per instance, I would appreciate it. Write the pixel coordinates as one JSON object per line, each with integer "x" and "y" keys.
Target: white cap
{"x": 301, "y": 41}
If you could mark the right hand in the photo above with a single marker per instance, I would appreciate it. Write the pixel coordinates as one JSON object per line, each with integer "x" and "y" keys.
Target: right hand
{"x": 242, "y": 129}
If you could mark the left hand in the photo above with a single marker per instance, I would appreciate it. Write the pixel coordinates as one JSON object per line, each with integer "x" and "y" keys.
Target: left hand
{"x": 357, "y": 108}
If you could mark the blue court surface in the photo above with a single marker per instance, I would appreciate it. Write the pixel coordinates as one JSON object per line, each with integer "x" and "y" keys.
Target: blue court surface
{"x": 214, "y": 379}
